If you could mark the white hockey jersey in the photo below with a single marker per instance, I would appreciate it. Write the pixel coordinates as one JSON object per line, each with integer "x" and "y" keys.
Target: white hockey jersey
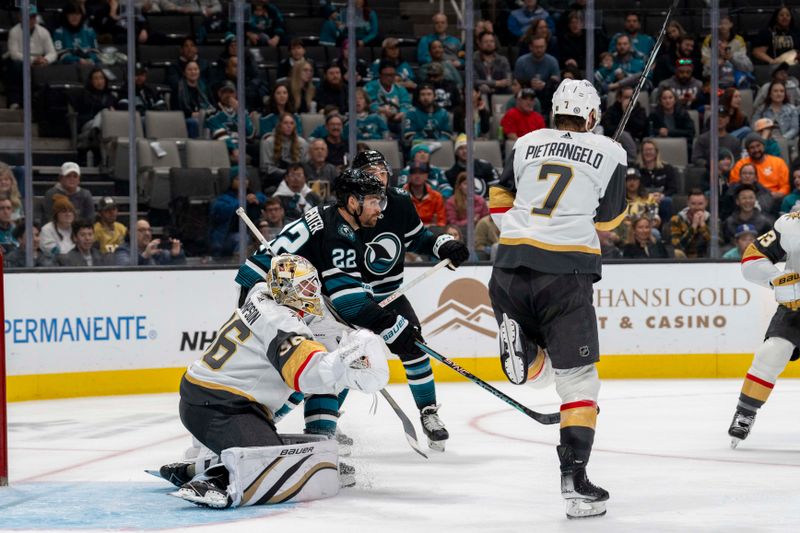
{"x": 782, "y": 243}
{"x": 557, "y": 188}
{"x": 262, "y": 354}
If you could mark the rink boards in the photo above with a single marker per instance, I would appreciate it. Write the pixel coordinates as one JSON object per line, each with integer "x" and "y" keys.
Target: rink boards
{"x": 73, "y": 334}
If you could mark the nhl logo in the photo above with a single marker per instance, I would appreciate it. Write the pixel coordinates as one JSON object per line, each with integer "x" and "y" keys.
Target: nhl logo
{"x": 583, "y": 351}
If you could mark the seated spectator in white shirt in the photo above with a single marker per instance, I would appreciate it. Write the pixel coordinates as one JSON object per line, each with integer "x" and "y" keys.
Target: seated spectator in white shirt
{"x": 56, "y": 237}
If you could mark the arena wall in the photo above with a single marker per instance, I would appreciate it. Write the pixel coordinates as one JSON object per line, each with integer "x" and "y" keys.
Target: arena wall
{"x": 121, "y": 332}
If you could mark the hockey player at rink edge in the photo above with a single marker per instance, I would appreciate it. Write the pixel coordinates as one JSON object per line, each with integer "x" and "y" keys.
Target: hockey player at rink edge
{"x": 558, "y": 187}
{"x": 782, "y": 339}
{"x": 264, "y": 353}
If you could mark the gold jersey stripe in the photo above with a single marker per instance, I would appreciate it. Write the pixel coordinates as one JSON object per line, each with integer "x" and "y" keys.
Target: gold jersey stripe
{"x": 580, "y": 416}
{"x": 297, "y": 360}
{"x": 611, "y": 224}
{"x": 751, "y": 253}
{"x": 217, "y": 386}
{"x": 499, "y": 197}
{"x": 549, "y": 247}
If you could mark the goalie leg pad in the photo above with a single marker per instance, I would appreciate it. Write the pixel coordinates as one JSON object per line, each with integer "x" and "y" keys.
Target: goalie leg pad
{"x": 304, "y": 469}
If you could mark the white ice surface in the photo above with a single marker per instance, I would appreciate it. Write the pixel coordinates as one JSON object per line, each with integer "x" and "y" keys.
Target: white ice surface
{"x": 661, "y": 450}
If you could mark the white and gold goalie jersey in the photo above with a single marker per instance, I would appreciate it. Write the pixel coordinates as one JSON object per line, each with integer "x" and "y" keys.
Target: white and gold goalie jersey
{"x": 781, "y": 243}
{"x": 261, "y": 355}
{"x": 557, "y": 188}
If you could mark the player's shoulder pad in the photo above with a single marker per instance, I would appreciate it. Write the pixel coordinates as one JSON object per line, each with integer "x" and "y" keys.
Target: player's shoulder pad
{"x": 613, "y": 148}
{"x": 259, "y": 306}
{"x": 788, "y": 224}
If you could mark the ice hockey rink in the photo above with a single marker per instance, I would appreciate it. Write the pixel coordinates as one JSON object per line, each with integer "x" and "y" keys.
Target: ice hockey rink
{"x": 661, "y": 450}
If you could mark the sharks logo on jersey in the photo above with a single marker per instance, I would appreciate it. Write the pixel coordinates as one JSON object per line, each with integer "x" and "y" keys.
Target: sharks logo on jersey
{"x": 382, "y": 253}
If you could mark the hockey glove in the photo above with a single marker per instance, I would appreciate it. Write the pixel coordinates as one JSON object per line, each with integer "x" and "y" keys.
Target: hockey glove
{"x": 359, "y": 362}
{"x": 401, "y": 336}
{"x": 446, "y": 247}
{"x": 787, "y": 290}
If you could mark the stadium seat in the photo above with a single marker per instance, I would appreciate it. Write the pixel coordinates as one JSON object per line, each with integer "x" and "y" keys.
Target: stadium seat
{"x": 317, "y": 54}
{"x": 694, "y": 177}
{"x": 785, "y": 153}
{"x": 113, "y": 131}
{"x": 696, "y": 119}
{"x": 157, "y": 54}
{"x": 207, "y": 154}
{"x": 673, "y": 150}
{"x": 509, "y": 146}
{"x": 488, "y": 150}
{"x": 154, "y": 170}
{"x": 55, "y": 76}
{"x": 192, "y": 191}
{"x": 270, "y": 55}
{"x": 499, "y": 102}
{"x": 224, "y": 179}
{"x": 444, "y": 155}
{"x": 165, "y": 125}
{"x": 309, "y": 122}
{"x": 390, "y": 150}
{"x": 644, "y": 100}
{"x": 192, "y": 183}
{"x": 171, "y": 27}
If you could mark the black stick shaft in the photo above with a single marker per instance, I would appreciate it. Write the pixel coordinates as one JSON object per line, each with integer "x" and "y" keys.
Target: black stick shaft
{"x": 542, "y": 418}
{"x": 643, "y": 79}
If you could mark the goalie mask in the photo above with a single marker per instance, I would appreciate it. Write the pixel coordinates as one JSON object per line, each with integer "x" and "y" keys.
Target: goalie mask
{"x": 577, "y": 98}
{"x": 293, "y": 282}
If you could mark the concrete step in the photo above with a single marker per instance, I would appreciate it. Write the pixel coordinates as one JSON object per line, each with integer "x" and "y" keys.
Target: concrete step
{"x": 10, "y": 115}
{"x": 97, "y": 188}
{"x": 16, "y": 129}
{"x": 43, "y": 158}
{"x": 16, "y": 144}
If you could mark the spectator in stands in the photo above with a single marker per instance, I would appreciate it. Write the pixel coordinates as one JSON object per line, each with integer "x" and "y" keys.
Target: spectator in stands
{"x": 456, "y": 206}
{"x": 420, "y": 154}
{"x": 642, "y": 44}
{"x": 446, "y": 93}
{"x": 148, "y": 97}
{"x": 658, "y": 178}
{"x": 487, "y": 235}
{"x": 665, "y": 65}
{"x": 627, "y": 66}
{"x": 151, "y": 251}
{"x": 370, "y": 126}
{"x": 429, "y": 203}
{"x": 780, "y": 72}
{"x": 483, "y": 171}
{"x": 605, "y": 75}
{"x": 481, "y": 116}
{"x": 317, "y": 166}
{"x": 739, "y": 125}
{"x": 85, "y": 252}
{"x": 669, "y": 47}
{"x": 301, "y": 87}
{"x": 294, "y": 193}
{"x": 792, "y": 200}
{"x": 639, "y": 203}
{"x": 772, "y": 171}
{"x": 521, "y": 19}
{"x": 337, "y": 145}
{"x": 361, "y": 69}
{"x": 95, "y": 97}
{"x": 426, "y": 121}
{"x": 641, "y": 242}
{"x": 728, "y": 38}
{"x": 782, "y": 113}
{"x": 75, "y": 41}
{"x": 452, "y": 45}
{"x": 685, "y": 88}
{"x": 366, "y": 24}
{"x": 56, "y": 237}
{"x": 194, "y": 7}
{"x": 69, "y": 180}
{"x": 261, "y": 28}
{"x": 297, "y": 52}
{"x": 334, "y": 29}
{"x": 110, "y": 23}
{"x": 223, "y": 122}
{"x": 522, "y": 119}
{"x": 436, "y": 53}
{"x": 670, "y": 119}
{"x": 690, "y": 228}
{"x": 389, "y": 99}
{"x": 16, "y": 257}
{"x": 748, "y": 175}
{"x": 7, "y": 241}
{"x": 540, "y": 29}
{"x": 746, "y": 212}
{"x": 635, "y": 129}
{"x": 491, "y": 71}
{"x": 572, "y": 42}
{"x": 43, "y": 53}
{"x": 732, "y": 71}
{"x": 255, "y": 88}
{"x": 701, "y": 154}
{"x": 223, "y": 233}
{"x": 188, "y": 53}
{"x": 778, "y": 38}
{"x": 391, "y": 51}
{"x": 332, "y": 90}
{"x": 8, "y": 187}
{"x": 745, "y": 236}
{"x": 281, "y": 149}
{"x": 110, "y": 233}
{"x": 230, "y": 51}
{"x": 538, "y": 69}
{"x": 278, "y": 103}
{"x": 273, "y": 218}
{"x": 192, "y": 98}
{"x": 608, "y": 244}
{"x": 765, "y": 127}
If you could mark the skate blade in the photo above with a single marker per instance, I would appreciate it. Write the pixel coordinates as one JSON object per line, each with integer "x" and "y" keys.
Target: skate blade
{"x": 191, "y": 496}
{"x": 155, "y": 473}
{"x": 436, "y": 445}
{"x": 346, "y": 481}
{"x": 577, "y": 508}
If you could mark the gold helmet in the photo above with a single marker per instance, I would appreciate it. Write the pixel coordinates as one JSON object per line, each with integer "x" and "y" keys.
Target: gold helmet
{"x": 293, "y": 282}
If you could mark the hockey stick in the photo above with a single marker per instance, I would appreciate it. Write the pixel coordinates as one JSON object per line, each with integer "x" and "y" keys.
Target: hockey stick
{"x": 408, "y": 427}
{"x": 649, "y": 65}
{"x": 407, "y": 287}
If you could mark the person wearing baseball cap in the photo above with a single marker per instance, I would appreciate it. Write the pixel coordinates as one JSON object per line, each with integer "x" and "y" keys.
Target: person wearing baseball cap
{"x": 390, "y": 51}
{"x": 428, "y": 203}
{"x": 109, "y": 233}
{"x": 701, "y": 151}
{"x": 772, "y": 171}
{"x": 148, "y": 98}
{"x": 765, "y": 128}
{"x": 521, "y": 118}
{"x": 69, "y": 180}
{"x": 223, "y": 124}
{"x": 745, "y": 235}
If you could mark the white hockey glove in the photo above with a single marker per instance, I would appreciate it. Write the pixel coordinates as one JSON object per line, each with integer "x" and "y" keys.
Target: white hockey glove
{"x": 787, "y": 290}
{"x": 359, "y": 362}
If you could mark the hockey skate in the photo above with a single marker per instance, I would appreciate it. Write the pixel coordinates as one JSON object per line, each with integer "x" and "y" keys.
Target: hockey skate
{"x": 584, "y": 500}
{"x": 208, "y": 489}
{"x": 741, "y": 425}
{"x": 347, "y": 475}
{"x": 434, "y": 428}
{"x": 176, "y": 473}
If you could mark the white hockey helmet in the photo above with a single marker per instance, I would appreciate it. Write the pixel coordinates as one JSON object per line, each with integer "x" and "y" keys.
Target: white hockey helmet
{"x": 577, "y": 98}
{"x": 293, "y": 282}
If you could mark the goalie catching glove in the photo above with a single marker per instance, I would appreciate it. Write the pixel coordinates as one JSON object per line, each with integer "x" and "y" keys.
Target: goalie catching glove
{"x": 359, "y": 363}
{"x": 787, "y": 290}
{"x": 446, "y": 247}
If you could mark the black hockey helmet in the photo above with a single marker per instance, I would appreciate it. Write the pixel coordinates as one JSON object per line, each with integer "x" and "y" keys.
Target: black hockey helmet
{"x": 355, "y": 182}
{"x": 369, "y": 159}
